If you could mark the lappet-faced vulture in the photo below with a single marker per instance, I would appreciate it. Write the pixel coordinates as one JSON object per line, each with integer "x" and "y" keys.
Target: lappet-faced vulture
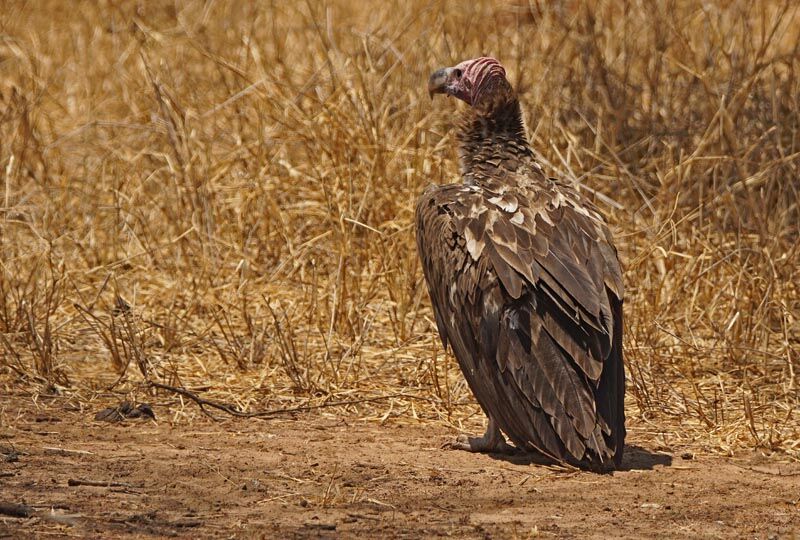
{"x": 526, "y": 286}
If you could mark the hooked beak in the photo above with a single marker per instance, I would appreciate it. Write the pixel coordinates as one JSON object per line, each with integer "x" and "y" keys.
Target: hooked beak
{"x": 437, "y": 84}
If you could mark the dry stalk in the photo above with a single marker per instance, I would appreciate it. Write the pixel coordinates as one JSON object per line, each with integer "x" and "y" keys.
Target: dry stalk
{"x": 277, "y": 152}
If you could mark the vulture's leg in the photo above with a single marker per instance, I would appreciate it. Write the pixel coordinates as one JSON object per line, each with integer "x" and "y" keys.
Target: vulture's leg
{"x": 492, "y": 441}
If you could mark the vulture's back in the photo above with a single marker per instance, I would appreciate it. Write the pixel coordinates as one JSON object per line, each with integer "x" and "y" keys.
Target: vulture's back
{"x": 527, "y": 290}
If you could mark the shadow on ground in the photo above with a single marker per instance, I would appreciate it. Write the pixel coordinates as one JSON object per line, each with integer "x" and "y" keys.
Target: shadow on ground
{"x": 636, "y": 458}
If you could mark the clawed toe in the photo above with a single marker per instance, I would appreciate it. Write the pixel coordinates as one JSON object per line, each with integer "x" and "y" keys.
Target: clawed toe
{"x": 480, "y": 445}
{"x": 462, "y": 442}
{"x": 491, "y": 442}
{"x": 459, "y": 443}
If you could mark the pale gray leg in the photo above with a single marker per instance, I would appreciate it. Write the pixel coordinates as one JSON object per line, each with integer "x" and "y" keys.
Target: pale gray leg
{"x": 491, "y": 442}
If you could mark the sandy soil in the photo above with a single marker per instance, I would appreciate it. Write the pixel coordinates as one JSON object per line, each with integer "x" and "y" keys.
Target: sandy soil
{"x": 316, "y": 477}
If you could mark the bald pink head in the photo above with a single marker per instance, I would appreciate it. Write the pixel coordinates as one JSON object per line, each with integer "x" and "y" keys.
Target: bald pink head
{"x": 469, "y": 80}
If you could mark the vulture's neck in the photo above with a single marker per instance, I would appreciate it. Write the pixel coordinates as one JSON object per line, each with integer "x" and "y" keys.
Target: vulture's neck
{"x": 493, "y": 136}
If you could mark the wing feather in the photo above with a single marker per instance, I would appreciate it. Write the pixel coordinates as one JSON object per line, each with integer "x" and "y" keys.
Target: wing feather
{"x": 526, "y": 296}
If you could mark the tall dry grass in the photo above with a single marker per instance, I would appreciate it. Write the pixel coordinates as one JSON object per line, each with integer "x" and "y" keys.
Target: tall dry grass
{"x": 219, "y": 195}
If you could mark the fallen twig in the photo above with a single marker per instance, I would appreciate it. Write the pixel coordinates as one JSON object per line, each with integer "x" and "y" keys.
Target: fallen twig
{"x": 98, "y": 483}
{"x": 233, "y": 411}
{"x": 767, "y": 471}
{"x": 66, "y": 451}
{"x": 25, "y": 511}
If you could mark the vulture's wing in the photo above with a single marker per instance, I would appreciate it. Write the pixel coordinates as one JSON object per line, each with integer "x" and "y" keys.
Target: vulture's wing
{"x": 527, "y": 290}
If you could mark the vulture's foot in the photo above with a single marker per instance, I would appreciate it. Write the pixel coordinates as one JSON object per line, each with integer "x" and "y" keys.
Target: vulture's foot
{"x": 491, "y": 442}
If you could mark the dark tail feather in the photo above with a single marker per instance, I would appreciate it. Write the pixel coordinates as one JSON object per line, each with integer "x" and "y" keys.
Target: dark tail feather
{"x": 611, "y": 390}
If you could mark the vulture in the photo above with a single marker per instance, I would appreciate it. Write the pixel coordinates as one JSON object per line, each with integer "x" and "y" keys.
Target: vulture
{"x": 526, "y": 286}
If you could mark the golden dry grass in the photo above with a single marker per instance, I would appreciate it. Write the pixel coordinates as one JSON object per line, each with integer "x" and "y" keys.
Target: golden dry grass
{"x": 219, "y": 195}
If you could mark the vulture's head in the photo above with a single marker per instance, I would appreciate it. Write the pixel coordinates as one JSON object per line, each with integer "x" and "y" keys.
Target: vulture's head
{"x": 481, "y": 82}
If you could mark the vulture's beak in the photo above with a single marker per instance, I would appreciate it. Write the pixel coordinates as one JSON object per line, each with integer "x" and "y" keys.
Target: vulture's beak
{"x": 437, "y": 84}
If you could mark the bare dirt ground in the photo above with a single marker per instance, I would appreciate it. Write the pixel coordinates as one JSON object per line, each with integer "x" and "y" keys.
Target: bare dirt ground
{"x": 313, "y": 476}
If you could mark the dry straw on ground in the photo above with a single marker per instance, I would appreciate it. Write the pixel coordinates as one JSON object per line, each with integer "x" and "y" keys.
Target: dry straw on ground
{"x": 218, "y": 195}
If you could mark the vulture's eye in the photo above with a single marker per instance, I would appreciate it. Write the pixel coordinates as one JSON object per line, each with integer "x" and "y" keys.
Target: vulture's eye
{"x": 457, "y": 73}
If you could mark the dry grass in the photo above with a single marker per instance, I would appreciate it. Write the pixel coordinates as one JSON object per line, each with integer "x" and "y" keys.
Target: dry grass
{"x": 219, "y": 196}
